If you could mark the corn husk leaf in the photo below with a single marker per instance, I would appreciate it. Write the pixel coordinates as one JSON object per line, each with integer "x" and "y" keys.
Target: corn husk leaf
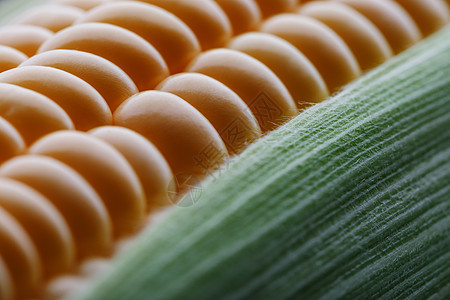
{"x": 350, "y": 200}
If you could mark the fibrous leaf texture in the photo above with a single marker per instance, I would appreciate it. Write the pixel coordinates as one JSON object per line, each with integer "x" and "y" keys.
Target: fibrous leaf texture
{"x": 350, "y": 200}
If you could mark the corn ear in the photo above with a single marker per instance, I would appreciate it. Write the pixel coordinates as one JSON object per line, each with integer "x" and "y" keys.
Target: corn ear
{"x": 349, "y": 200}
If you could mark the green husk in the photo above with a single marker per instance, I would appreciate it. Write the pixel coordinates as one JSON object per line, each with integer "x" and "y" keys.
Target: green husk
{"x": 10, "y": 10}
{"x": 350, "y": 200}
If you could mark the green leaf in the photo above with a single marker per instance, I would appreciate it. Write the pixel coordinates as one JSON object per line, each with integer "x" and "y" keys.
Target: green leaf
{"x": 350, "y": 200}
{"x": 11, "y": 9}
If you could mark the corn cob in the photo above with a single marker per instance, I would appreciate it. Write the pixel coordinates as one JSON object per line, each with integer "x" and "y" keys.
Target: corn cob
{"x": 127, "y": 216}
